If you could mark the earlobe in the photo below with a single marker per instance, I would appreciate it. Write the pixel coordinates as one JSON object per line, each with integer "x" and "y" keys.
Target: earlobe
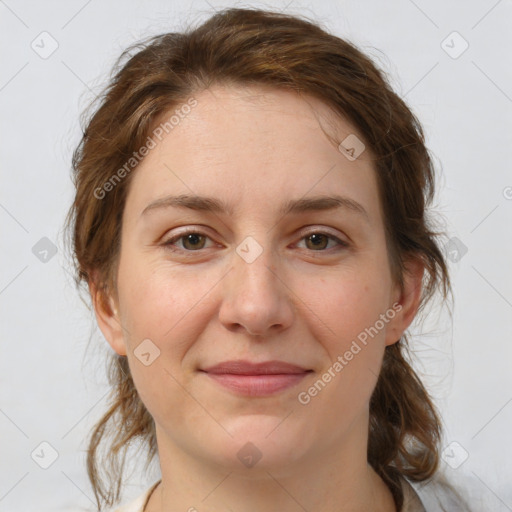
{"x": 407, "y": 300}
{"x": 107, "y": 317}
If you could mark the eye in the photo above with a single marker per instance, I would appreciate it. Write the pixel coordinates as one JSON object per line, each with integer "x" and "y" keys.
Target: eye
{"x": 319, "y": 241}
{"x": 190, "y": 241}
{"x": 194, "y": 240}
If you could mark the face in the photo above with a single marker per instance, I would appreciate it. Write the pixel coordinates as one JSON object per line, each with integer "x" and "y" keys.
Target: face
{"x": 284, "y": 262}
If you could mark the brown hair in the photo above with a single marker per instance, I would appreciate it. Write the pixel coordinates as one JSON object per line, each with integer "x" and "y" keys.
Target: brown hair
{"x": 244, "y": 47}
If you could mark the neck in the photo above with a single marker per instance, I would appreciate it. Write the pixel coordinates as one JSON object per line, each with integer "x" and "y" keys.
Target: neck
{"x": 335, "y": 480}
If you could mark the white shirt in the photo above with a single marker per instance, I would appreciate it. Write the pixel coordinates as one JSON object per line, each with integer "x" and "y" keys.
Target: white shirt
{"x": 412, "y": 501}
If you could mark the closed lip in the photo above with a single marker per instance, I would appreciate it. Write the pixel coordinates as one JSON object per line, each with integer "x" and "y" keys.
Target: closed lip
{"x": 241, "y": 367}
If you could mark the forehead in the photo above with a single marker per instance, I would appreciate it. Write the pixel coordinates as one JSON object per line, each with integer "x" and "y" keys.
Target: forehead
{"x": 256, "y": 148}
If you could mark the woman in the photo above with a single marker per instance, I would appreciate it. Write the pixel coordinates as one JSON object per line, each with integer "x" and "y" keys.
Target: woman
{"x": 250, "y": 219}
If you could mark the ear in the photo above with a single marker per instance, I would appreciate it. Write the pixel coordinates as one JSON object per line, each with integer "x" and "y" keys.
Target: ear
{"x": 406, "y": 299}
{"x": 107, "y": 315}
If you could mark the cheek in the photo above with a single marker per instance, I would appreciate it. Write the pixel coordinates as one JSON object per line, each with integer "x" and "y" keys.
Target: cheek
{"x": 344, "y": 307}
{"x": 167, "y": 304}
{"x": 170, "y": 307}
{"x": 345, "y": 320}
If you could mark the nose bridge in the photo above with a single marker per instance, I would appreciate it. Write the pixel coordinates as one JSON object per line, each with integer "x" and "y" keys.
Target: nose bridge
{"x": 252, "y": 267}
{"x": 255, "y": 297}
{"x": 252, "y": 272}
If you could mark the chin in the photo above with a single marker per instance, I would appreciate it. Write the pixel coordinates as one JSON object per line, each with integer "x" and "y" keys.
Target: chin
{"x": 260, "y": 443}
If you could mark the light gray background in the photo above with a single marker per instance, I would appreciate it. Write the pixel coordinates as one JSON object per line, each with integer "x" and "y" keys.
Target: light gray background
{"x": 52, "y": 391}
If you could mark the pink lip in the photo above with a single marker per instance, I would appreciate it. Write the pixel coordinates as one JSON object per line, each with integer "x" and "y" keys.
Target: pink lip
{"x": 256, "y": 379}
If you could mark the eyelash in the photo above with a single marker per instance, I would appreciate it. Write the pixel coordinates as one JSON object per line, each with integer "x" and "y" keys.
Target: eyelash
{"x": 169, "y": 243}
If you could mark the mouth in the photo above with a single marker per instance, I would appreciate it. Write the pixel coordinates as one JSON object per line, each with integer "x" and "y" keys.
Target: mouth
{"x": 256, "y": 379}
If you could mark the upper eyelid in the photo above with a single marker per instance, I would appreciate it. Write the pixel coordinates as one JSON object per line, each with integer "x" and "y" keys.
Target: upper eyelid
{"x": 301, "y": 234}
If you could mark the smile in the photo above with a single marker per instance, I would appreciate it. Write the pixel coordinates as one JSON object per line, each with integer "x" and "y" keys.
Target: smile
{"x": 256, "y": 379}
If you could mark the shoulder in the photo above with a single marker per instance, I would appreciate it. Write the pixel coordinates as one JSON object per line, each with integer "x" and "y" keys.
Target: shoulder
{"x": 436, "y": 495}
{"x": 138, "y": 504}
{"x": 412, "y": 501}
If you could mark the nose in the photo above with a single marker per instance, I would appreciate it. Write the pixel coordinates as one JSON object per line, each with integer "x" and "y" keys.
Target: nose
{"x": 256, "y": 297}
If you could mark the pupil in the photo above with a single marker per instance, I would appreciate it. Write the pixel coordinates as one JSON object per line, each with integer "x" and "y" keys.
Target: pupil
{"x": 193, "y": 239}
{"x": 317, "y": 239}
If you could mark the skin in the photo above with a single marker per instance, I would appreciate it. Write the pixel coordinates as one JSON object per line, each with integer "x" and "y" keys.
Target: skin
{"x": 202, "y": 303}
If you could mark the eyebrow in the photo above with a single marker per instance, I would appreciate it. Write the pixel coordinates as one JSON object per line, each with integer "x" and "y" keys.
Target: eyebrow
{"x": 293, "y": 206}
